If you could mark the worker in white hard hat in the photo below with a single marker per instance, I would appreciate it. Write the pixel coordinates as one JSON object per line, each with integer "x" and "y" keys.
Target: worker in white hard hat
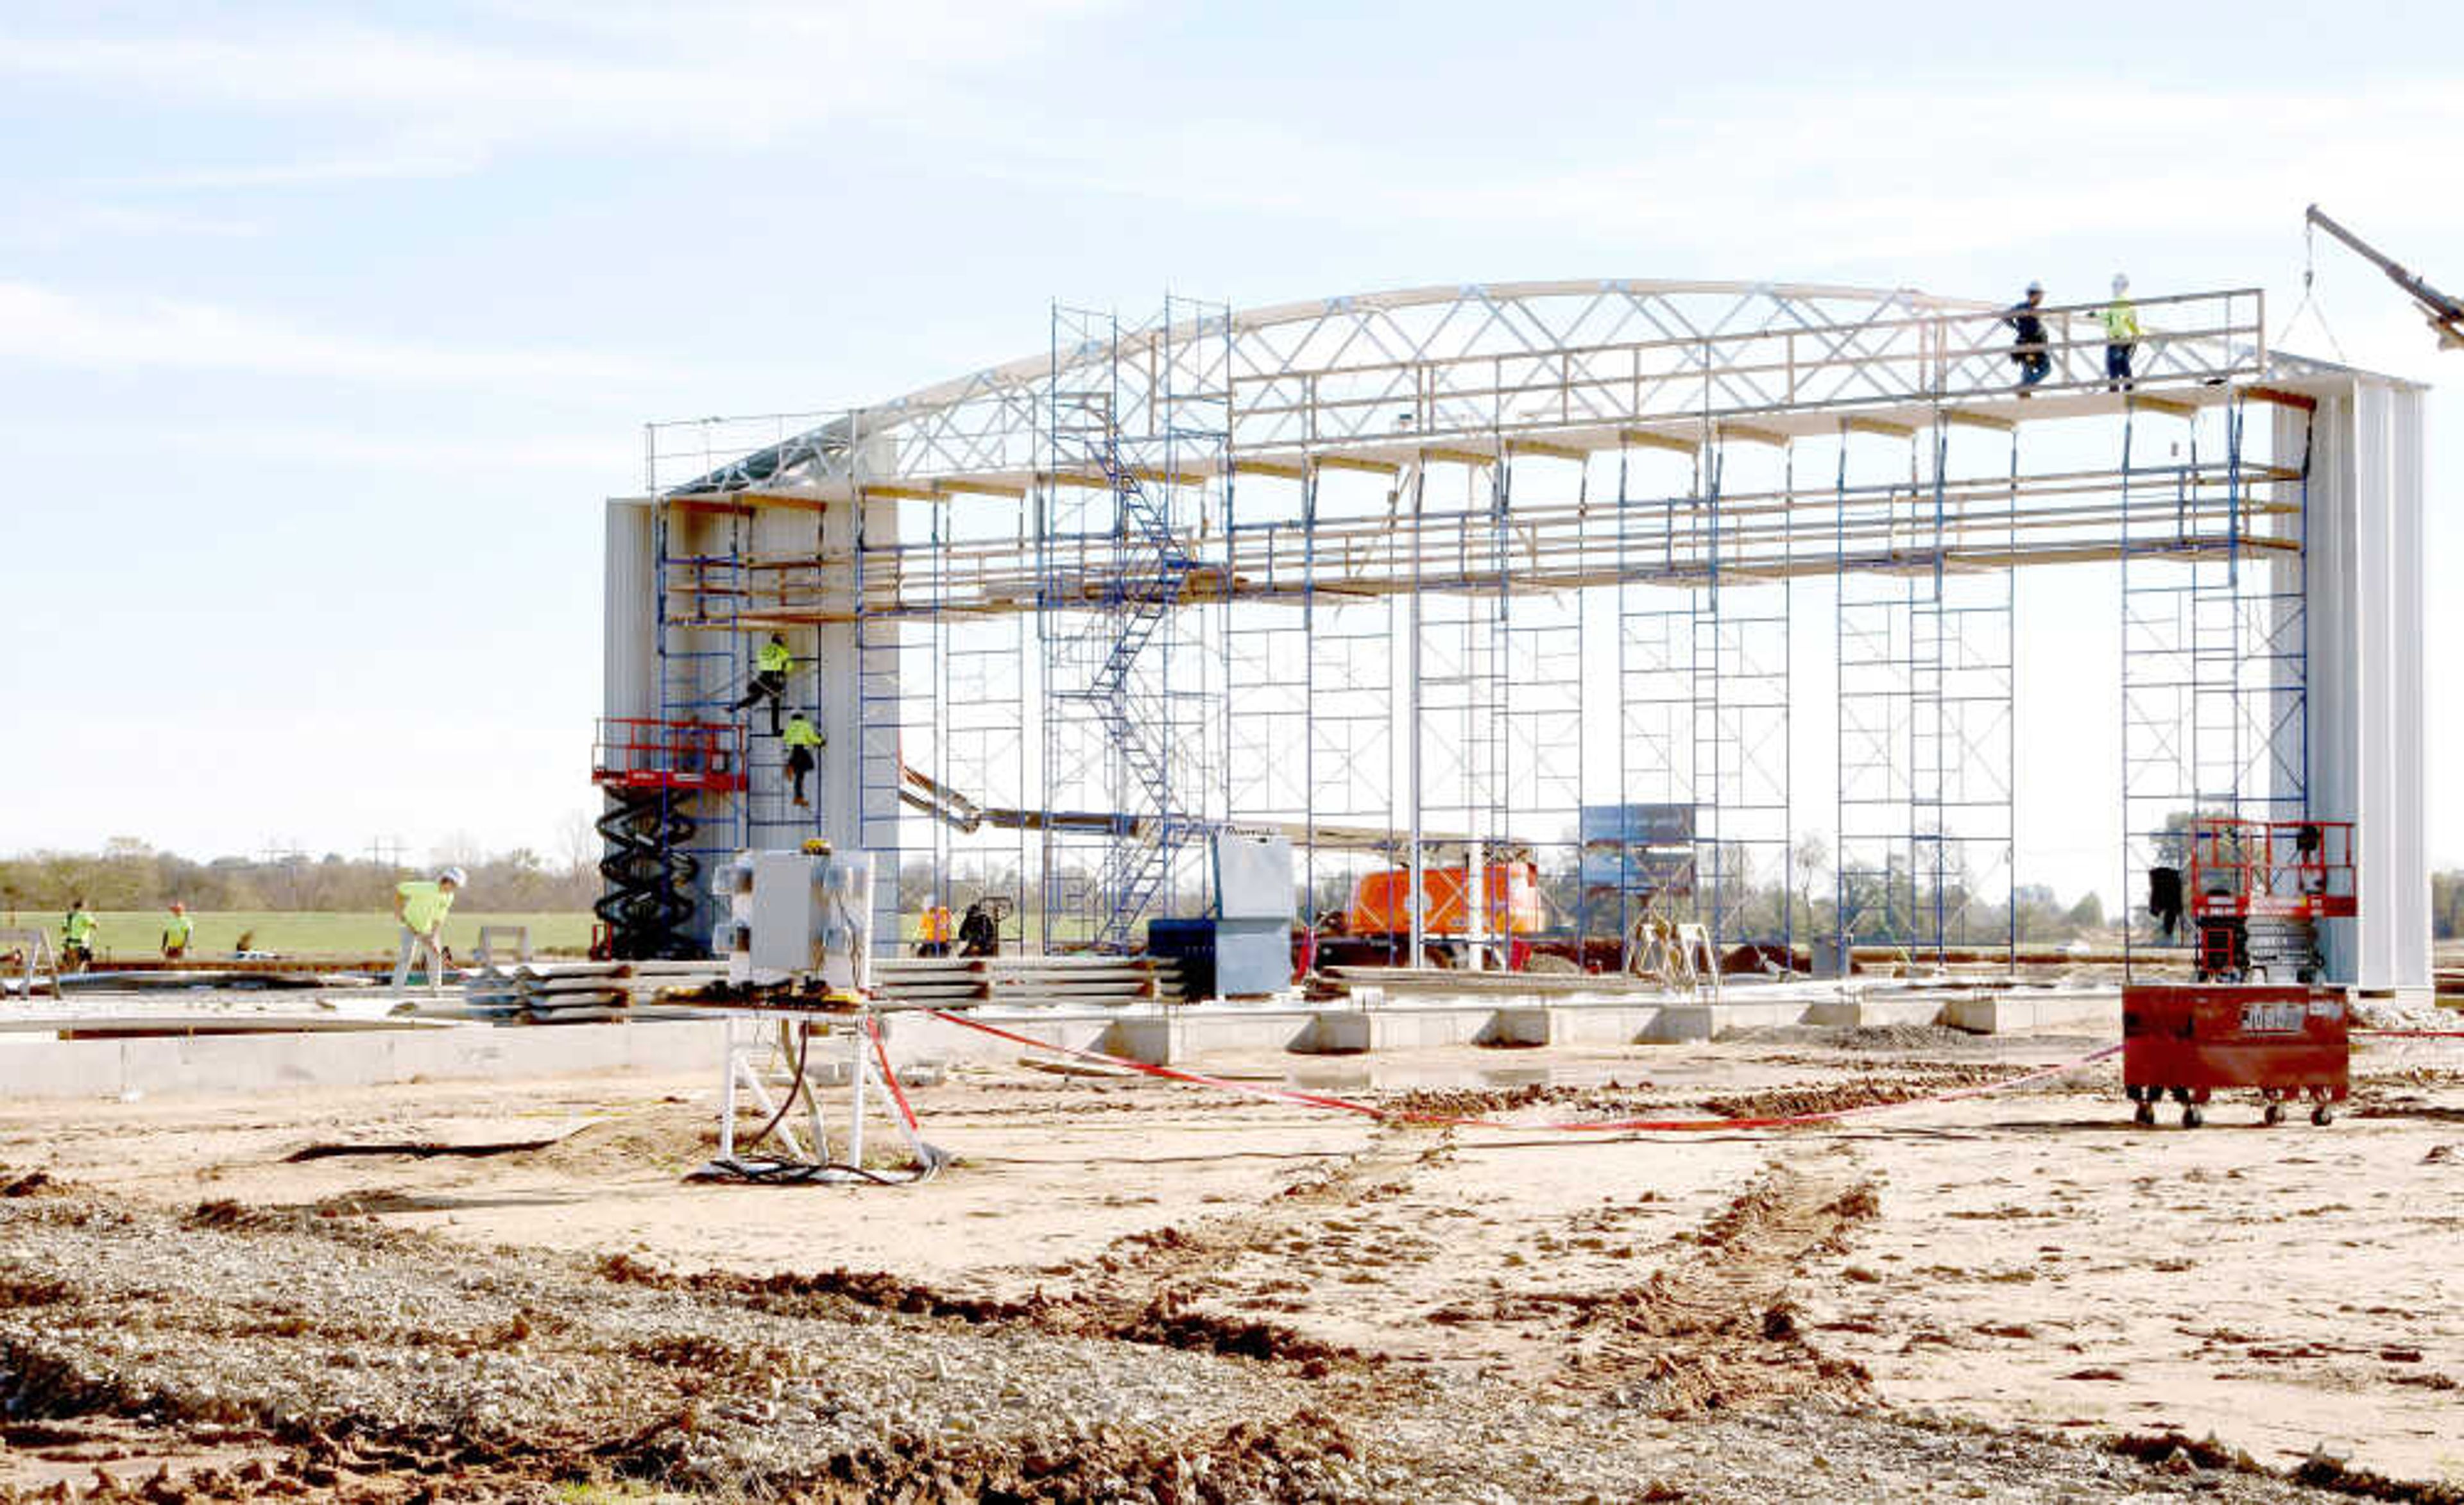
{"x": 177, "y": 933}
{"x": 2029, "y": 349}
{"x": 421, "y": 909}
{"x": 2121, "y": 335}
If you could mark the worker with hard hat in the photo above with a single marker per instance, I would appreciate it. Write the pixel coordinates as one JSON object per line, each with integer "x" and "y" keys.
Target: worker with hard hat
{"x": 176, "y": 932}
{"x": 932, "y": 934}
{"x": 421, "y": 909}
{"x": 2029, "y": 349}
{"x": 78, "y": 930}
{"x": 770, "y": 667}
{"x": 802, "y": 738}
{"x": 2121, "y": 335}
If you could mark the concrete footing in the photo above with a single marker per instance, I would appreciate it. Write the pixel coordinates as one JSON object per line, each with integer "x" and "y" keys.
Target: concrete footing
{"x": 264, "y": 1063}
{"x": 267, "y": 1062}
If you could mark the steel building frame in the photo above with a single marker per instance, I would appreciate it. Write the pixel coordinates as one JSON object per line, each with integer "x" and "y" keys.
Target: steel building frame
{"x": 1375, "y": 569}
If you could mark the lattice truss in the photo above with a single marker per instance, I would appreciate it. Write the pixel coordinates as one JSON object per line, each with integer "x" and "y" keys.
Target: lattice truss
{"x": 1470, "y": 565}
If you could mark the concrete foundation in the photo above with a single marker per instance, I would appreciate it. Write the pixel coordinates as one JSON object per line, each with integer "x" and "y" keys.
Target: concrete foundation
{"x": 267, "y": 1062}
{"x": 271, "y": 1061}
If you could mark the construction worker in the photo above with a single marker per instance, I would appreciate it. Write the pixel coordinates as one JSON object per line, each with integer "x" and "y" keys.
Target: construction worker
{"x": 176, "y": 932}
{"x": 932, "y": 932}
{"x": 2029, "y": 349}
{"x": 978, "y": 933}
{"x": 77, "y": 932}
{"x": 801, "y": 737}
{"x": 770, "y": 667}
{"x": 421, "y": 909}
{"x": 2121, "y": 335}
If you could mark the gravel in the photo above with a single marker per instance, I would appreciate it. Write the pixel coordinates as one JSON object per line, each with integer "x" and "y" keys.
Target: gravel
{"x": 371, "y": 1364}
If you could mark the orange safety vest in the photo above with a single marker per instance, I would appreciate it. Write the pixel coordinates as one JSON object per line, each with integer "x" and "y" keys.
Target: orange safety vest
{"x": 936, "y": 923}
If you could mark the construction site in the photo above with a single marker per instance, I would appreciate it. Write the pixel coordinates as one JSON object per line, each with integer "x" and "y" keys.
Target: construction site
{"x": 1221, "y": 912}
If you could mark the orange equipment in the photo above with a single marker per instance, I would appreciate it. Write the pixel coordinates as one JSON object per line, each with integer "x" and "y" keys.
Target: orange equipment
{"x": 1382, "y": 903}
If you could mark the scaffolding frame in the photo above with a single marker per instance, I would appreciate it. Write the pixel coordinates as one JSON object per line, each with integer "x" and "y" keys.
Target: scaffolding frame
{"x": 2214, "y": 650}
{"x": 1394, "y": 683}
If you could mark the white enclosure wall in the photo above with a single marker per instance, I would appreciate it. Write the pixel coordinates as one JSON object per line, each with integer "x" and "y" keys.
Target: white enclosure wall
{"x": 629, "y": 685}
{"x": 2366, "y": 661}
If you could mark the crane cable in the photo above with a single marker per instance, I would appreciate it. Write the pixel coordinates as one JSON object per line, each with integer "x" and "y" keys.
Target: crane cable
{"x": 2318, "y": 314}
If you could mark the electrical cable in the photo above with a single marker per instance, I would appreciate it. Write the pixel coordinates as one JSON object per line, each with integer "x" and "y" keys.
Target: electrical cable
{"x": 796, "y": 1087}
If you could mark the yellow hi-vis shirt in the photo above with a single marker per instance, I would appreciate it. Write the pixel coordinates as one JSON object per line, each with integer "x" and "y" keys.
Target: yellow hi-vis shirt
{"x": 775, "y": 659}
{"x": 2120, "y": 321}
{"x": 802, "y": 734}
{"x": 80, "y": 927}
{"x": 177, "y": 930}
{"x": 423, "y": 905}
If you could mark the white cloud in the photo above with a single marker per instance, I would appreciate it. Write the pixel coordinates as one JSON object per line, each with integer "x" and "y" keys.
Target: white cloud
{"x": 1847, "y": 175}
{"x": 46, "y": 325}
{"x": 735, "y": 75}
{"x": 55, "y": 223}
{"x": 409, "y": 162}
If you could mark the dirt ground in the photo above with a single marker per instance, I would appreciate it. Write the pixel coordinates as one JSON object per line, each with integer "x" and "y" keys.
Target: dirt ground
{"x": 1132, "y": 1289}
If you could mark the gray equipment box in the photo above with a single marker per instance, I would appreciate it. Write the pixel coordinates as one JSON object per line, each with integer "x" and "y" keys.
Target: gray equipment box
{"x": 811, "y": 916}
{"x": 1253, "y": 925}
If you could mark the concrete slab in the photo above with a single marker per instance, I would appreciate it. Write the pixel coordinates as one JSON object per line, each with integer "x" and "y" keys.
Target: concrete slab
{"x": 57, "y": 1068}
{"x": 2015, "y": 1012}
{"x": 232, "y": 1063}
{"x": 1853, "y": 1013}
{"x": 1523, "y": 1026}
{"x": 206, "y": 1065}
{"x": 1701, "y": 1021}
{"x": 1349, "y": 1031}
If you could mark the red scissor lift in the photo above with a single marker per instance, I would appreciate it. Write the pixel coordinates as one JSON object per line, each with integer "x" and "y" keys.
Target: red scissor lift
{"x": 2256, "y": 1017}
{"x": 649, "y": 768}
{"x": 2257, "y": 877}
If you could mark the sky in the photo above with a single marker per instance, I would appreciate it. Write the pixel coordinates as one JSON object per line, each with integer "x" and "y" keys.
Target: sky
{"x": 324, "y": 331}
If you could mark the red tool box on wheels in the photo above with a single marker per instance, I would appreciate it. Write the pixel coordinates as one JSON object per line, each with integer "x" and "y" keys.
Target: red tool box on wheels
{"x": 2190, "y": 1041}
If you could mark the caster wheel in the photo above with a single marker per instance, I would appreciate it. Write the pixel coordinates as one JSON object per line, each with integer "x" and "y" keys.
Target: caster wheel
{"x": 2274, "y": 1113}
{"x": 2145, "y": 1115}
{"x": 2191, "y": 1116}
{"x": 2322, "y": 1115}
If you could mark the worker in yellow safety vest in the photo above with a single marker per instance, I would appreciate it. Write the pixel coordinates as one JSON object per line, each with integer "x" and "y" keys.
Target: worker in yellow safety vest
{"x": 77, "y": 935}
{"x": 770, "y": 667}
{"x": 932, "y": 934}
{"x": 2121, "y": 335}
{"x": 421, "y": 909}
{"x": 176, "y": 933}
{"x": 802, "y": 738}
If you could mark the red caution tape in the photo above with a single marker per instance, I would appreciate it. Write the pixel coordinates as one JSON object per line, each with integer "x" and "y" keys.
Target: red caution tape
{"x": 1313, "y": 1100}
{"x": 881, "y": 1054}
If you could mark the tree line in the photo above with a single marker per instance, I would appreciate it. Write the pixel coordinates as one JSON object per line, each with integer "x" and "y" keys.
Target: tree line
{"x": 129, "y": 874}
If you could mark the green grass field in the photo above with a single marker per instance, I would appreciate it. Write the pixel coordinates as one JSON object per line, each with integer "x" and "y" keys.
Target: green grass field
{"x": 132, "y": 934}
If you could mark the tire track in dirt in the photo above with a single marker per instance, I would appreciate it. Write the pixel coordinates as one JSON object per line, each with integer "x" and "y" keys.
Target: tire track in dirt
{"x": 1714, "y": 1328}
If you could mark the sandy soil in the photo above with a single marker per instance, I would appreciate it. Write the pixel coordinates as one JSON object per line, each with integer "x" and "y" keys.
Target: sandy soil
{"x": 1936, "y": 1297}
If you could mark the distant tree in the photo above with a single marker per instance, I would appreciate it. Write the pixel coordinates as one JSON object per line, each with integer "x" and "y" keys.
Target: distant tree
{"x": 2088, "y": 914}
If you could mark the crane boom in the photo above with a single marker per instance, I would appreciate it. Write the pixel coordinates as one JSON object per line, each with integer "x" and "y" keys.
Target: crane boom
{"x": 2446, "y": 314}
